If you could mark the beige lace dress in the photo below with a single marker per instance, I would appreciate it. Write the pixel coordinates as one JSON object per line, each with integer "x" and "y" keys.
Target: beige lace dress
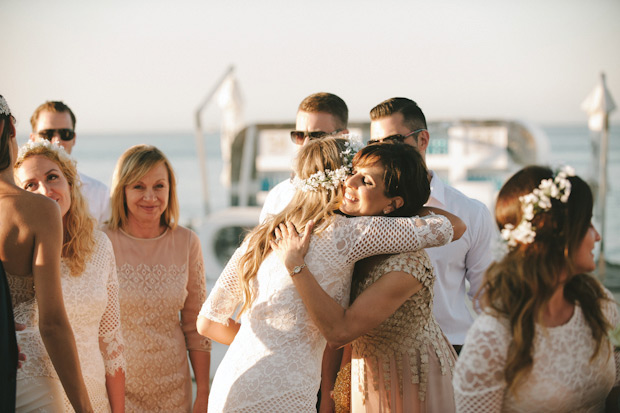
{"x": 159, "y": 278}
{"x": 405, "y": 364}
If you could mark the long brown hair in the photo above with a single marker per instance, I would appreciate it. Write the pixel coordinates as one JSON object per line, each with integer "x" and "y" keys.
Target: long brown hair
{"x": 319, "y": 206}
{"x": 520, "y": 285}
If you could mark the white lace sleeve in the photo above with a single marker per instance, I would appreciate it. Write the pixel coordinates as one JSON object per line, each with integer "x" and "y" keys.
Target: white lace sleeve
{"x": 384, "y": 235}
{"x": 478, "y": 380}
{"x": 111, "y": 342}
{"x": 196, "y": 295}
{"x": 226, "y": 295}
{"x": 610, "y": 310}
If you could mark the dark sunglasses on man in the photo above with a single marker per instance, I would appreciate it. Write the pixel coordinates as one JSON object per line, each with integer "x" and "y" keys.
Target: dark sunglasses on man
{"x": 398, "y": 137}
{"x": 64, "y": 134}
{"x": 298, "y": 136}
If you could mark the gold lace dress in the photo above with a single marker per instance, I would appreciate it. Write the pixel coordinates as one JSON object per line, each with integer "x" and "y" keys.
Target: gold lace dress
{"x": 159, "y": 278}
{"x": 405, "y": 364}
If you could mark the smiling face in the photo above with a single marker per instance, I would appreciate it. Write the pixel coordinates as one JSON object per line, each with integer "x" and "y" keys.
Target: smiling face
{"x": 364, "y": 192}
{"x": 147, "y": 198}
{"x": 40, "y": 175}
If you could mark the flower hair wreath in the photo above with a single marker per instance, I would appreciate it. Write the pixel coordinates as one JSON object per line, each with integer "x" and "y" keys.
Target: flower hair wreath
{"x": 39, "y": 142}
{"x": 4, "y": 107}
{"x": 329, "y": 179}
{"x": 538, "y": 200}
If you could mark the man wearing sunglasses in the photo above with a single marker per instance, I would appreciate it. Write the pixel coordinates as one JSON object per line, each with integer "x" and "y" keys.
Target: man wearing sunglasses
{"x": 54, "y": 121}
{"x": 466, "y": 259}
{"x": 318, "y": 116}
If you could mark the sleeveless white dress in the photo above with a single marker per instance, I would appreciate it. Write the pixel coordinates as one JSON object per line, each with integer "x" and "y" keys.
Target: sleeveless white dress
{"x": 274, "y": 362}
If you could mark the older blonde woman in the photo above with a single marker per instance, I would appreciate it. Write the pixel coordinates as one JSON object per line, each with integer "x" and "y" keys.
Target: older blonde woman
{"x": 161, "y": 274}
{"x": 88, "y": 274}
{"x": 30, "y": 252}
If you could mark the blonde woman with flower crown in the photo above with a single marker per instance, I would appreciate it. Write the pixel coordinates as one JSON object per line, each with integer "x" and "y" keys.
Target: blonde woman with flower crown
{"x": 31, "y": 234}
{"x": 88, "y": 275}
{"x": 541, "y": 342}
{"x": 274, "y": 359}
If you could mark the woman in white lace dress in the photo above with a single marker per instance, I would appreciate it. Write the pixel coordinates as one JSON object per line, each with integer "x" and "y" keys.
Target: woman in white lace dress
{"x": 31, "y": 231}
{"x": 88, "y": 274}
{"x": 541, "y": 342}
{"x": 274, "y": 360}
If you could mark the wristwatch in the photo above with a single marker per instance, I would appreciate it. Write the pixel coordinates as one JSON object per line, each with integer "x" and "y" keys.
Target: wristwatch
{"x": 297, "y": 269}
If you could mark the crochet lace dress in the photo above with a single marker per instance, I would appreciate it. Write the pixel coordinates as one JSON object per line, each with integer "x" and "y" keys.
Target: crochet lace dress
{"x": 405, "y": 364}
{"x": 563, "y": 378}
{"x": 274, "y": 362}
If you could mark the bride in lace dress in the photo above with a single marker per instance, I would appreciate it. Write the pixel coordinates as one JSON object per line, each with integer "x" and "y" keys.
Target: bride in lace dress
{"x": 274, "y": 360}
{"x": 88, "y": 274}
{"x": 401, "y": 361}
{"x": 30, "y": 252}
{"x": 541, "y": 342}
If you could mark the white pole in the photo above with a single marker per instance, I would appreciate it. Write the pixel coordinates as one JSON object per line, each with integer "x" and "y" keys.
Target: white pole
{"x": 602, "y": 192}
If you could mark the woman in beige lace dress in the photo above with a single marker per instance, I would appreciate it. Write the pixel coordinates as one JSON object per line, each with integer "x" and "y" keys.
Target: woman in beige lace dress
{"x": 31, "y": 232}
{"x": 401, "y": 361}
{"x": 88, "y": 274}
{"x": 161, "y": 274}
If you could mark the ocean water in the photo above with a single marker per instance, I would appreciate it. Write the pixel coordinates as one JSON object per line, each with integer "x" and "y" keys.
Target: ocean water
{"x": 97, "y": 156}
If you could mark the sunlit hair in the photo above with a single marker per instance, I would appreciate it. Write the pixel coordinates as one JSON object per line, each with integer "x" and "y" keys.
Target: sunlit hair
{"x": 404, "y": 175}
{"x": 319, "y": 206}
{"x": 50, "y": 106}
{"x": 78, "y": 225}
{"x": 6, "y": 120}
{"x": 413, "y": 117}
{"x": 327, "y": 103}
{"x": 520, "y": 285}
{"x": 133, "y": 164}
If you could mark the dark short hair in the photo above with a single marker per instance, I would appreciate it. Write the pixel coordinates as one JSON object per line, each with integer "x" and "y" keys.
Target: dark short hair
{"x": 405, "y": 174}
{"x": 327, "y": 103}
{"x": 50, "y": 106}
{"x": 412, "y": 114}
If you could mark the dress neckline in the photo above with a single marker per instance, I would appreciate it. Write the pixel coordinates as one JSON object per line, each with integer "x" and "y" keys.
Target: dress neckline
{"x": 163, "y": 234}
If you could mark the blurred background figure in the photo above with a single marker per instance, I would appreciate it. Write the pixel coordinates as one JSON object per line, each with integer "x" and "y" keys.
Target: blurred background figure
{"x": 88, "y": 273}
{"x": 55, "y": 121}
{"x": 161, "y": 273}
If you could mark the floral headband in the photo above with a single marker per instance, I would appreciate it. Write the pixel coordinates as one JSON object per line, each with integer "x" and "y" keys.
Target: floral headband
{"x": 4, "y": 107}
{"x": 329, "y": 179}
{"x": 38, "y": 143}
{"x": 538, "y": 200}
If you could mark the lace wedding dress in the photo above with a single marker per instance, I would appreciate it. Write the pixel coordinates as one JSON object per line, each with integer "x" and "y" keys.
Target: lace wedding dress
{"x": 274, "y": 362}
{"x": 159, "y": 279}
{"x": 91, "y": 303}
{"x": 405, "y": 364}
{"x": 563, "y": 378}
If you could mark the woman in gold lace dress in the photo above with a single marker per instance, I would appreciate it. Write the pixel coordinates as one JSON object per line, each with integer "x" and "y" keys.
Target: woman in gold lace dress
{"x": 161, "y": 274}
{"x": 401, "y": 361}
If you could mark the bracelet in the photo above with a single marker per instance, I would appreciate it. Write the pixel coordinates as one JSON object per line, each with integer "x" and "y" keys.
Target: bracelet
{"x": 297, "y": 269}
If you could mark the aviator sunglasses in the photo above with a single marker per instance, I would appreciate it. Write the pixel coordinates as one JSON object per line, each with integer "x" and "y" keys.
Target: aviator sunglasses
{"x": 298, "y": 136}
{"x": 398, "y": 137}
{"x": 64, "y": 134}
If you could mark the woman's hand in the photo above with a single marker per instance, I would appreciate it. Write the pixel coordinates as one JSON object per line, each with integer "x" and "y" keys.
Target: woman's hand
{"x": 291, "y": 246}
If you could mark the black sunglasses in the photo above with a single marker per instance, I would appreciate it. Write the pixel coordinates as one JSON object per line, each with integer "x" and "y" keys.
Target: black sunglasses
{"x": 298, "y": 136}
{"x": 64, "y": 134}
{"x": 398, "y": 137}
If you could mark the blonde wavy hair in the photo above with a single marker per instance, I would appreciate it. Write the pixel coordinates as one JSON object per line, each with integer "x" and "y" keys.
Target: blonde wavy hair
{"x": 133, "y": 164}
{"x": 319, "y": 206}
{"x": 78, "y": 225}
{"x": 520, "y": 285}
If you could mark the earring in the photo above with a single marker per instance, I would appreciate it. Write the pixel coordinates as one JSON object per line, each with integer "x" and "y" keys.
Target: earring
{"x": 386, "y": 211}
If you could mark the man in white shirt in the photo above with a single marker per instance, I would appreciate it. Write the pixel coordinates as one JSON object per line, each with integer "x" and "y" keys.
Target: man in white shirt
{"x": 319, "y": 115}
{"x": 54, "y": 121}
{"x": 466, "y": 259}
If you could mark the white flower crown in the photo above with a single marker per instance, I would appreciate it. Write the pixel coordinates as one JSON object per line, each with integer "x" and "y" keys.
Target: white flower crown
{"x": 40, "y": 142}
{"x": 4, "y": 107}
{"x": 538, "y": 200}
{"x": 329, "y": 179}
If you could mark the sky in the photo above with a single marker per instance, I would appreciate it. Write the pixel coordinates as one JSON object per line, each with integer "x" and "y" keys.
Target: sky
{"x": 144, "y": 66}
